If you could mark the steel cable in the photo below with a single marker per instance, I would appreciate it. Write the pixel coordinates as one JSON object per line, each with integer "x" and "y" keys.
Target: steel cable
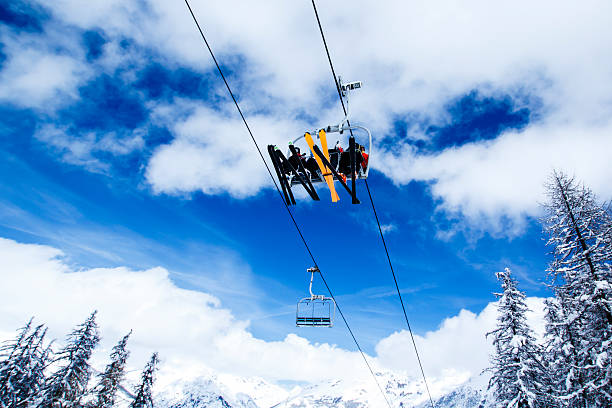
{"x": 281, "y": 196}
{"x": 331, "y": 65}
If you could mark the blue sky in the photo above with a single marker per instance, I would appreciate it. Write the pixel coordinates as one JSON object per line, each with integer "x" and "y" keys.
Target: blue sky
{"x": 101, "y": 220}
{"x": 120, "y": 146}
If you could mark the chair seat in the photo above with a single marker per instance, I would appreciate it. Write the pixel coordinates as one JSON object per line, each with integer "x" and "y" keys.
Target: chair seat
{"x": 313, "y": 321}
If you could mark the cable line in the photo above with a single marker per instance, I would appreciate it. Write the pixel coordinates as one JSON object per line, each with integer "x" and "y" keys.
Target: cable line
{"x": 399, "y": 294}
{"x": 286, "y": 206}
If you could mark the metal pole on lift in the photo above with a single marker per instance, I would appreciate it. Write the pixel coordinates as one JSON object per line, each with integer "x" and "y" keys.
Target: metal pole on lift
{"x": 353, "y": 169}
{"x": 312, "y": 272}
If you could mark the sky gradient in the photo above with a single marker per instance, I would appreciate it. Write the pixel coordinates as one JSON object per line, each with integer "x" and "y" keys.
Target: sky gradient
{"x": 120, "y": 147}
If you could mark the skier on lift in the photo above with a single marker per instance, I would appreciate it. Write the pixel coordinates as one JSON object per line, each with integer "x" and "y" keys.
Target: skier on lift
{"x": 364, "y": 163}
{"x": 294, "y": 161}
{"x": 345, "y": 161}
{"x": 324, "y": 165}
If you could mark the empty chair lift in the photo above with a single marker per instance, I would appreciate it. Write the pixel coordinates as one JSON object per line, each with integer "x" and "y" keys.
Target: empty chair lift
{"x": 316, "y": 310}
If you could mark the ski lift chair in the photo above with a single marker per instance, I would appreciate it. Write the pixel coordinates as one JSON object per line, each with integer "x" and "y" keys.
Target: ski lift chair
{"x": 315, "y": 310}
{"x": 325, "y": 166}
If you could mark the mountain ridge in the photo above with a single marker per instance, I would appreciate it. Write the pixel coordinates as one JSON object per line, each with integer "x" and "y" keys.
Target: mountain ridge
{"x": 219, "y": 391}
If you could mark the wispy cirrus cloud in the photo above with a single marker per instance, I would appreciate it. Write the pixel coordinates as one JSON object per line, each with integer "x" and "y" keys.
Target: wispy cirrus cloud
{"x": 387, "y": 292}
{"x": 387, "y": 228}
{"x": 84, "y": 148}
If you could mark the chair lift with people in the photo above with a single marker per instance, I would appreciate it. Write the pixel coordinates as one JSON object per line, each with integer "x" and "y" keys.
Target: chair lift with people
{"x": 316, "y": 310}
{"x": 324, "y": 165}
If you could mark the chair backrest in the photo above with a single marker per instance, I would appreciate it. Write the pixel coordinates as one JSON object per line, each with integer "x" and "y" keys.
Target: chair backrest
{"x": 315, "y": 312}
{"x": 334, "y": 158}
{"x": 345, "y": 163}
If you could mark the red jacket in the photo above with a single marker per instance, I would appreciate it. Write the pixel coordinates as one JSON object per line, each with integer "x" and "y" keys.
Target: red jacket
{"x": 364, "y": 163}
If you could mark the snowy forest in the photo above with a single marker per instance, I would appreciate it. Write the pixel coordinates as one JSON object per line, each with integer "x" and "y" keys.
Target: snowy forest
{"x": 569, "y": 367}
{"x": 34, "y": 374}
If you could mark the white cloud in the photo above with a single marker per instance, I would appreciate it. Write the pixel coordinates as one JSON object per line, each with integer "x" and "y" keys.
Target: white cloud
{"x": 81, "y": 149}
{"x": 506, "y": 175}
{"x": 35, "y": 78}
{"x": 214, "y": 155}
{"x": 42, "y": 70}
{"x": 386, "y": 228}
{"x": 413, "y": 58}
{"x": 194, "y": 333}
{"x": 410, "y": 55}
{"x": 190, "y": 329}
{"x": 458, "y": 347}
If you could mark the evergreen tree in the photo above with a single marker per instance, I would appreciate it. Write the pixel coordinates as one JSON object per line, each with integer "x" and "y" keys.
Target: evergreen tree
{"x": 519, "y": 379}
{"x": 21, "y": 370}
{"x": 580, "y": 234}
{"x": 109, "y": 381}
{"x": 559, "y": 352}
{"x": 9, "y": 365}
{"x": 68, "y": 384}
{"x": 144, "y": 392}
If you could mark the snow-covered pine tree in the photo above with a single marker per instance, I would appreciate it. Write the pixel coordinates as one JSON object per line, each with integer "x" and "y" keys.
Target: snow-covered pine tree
{"x": 21, "y": 371}
{"x": 580, "y": 234}
{"x": 67, "y": 385}
{"x": 9, "y": 365}
{"x": 40, "y": 357}
{"x": 109, "y": 381}
{"x": 519, "y": 379}
{"x": 144, "y": 391}
{"x": 559, "y": 352}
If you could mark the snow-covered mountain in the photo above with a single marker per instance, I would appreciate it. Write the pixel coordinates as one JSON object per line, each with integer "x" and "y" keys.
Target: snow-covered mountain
{"x": 219, "y": 391}
{"x": 472, "y": 394}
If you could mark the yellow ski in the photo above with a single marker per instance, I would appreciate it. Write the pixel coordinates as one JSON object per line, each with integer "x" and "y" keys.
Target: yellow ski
{"x": 323, "y": 138}
{"x": 324, "y": 170}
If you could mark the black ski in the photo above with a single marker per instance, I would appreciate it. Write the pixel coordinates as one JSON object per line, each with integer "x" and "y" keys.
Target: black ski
{"x": 335, "y": 173}
{"x": 283, "y": 160}
{"x": 286, "y": 187}
{"x": 305, "y": 182}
